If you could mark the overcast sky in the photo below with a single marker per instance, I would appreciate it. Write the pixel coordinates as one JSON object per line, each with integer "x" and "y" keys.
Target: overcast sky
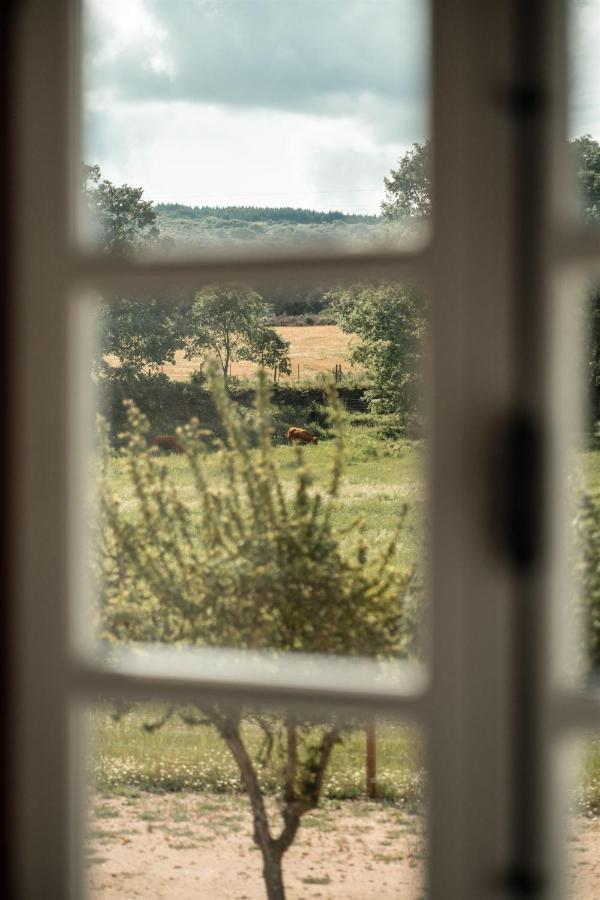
{"x": 272, "y": 102}
{"x": 267, "y": 102}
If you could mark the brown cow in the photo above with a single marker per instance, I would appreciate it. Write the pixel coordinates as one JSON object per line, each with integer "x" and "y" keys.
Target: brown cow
{"x": 300, "y": 436}
{"x": 168, "y": 442}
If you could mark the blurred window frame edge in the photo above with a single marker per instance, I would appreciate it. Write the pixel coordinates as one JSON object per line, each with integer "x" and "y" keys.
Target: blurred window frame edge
{"x": 470, "y": 667}
{"x": 7, "y": 882}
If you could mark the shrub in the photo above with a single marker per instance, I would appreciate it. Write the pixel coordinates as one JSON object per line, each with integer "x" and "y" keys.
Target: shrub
{"x": 260, "y": 569}
{"x": 587, "y": 570}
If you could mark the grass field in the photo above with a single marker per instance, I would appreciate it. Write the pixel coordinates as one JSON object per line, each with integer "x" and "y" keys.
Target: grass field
{"x": 380, "y": 476}
{"x": 316, "y": 349}
{"x": 180, "y": 757}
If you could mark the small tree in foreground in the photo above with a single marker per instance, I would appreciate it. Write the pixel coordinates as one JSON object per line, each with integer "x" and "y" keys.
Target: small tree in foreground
{"x": 256, "y": 566}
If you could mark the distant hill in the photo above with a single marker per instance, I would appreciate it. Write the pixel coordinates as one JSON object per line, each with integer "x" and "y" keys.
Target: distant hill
{"x": 259, "y": 214}
{"x": 214, "y": 226}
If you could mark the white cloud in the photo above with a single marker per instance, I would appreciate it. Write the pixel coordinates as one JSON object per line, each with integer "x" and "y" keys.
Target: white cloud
{"x": 115, "y": 29}
{"x": 267, "y": 102}
{"x": 205, "y": 154}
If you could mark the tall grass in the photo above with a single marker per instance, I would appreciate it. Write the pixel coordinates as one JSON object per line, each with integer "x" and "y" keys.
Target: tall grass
{"x": 126, "y": 757}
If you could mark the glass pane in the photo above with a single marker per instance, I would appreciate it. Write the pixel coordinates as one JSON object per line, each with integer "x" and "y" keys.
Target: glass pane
{"x": 585, "y": 492}
{"x": 217, "y": 126}
{"x": 170, "y": 806}
{"x": 584, "y": 828}
{"x": 584, "y": 107}
{"x": 262, "y": 486}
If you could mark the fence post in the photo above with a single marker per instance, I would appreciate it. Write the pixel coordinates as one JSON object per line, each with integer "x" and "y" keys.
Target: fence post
{"x": 371, "y": 768}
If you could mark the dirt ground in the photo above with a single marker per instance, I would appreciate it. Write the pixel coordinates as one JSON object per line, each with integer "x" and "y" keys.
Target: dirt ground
{"x": 182, "y": 846}
{"x": 187, "y": 845}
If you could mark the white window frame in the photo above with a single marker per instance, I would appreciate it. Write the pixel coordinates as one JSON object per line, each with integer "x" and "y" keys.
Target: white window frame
{"x": 498, "y": 128}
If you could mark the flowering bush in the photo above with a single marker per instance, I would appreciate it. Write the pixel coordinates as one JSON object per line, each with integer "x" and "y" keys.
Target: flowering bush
{"x": 259, "y": 568}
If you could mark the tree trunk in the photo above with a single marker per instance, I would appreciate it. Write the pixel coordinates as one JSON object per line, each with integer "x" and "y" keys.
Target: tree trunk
{"x": 273, "y": 873}
{"x": 272, "y": 853}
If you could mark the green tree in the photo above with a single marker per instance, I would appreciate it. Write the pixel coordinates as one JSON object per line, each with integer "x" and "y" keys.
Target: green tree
{"x": 408, "y": 188}
{"x": 262, "y": 568}
{"x": 141, "y": 332}
{"x": 408, "y": 195}
{"x": 389, "y": 320}
{"x": 224, "y": 321}
{"x": 586, "y": 152}
{"x": 119, "y": 219}
{"x": 267, "y": 348}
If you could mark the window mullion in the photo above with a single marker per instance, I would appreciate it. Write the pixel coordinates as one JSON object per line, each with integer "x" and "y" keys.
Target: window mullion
{"x": 468, "y": 756}
{"x": 133, "y": 275}
{"x": 39, "y": 436}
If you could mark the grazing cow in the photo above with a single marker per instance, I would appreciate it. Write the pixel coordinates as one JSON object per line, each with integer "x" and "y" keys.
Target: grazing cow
{"x": 168, "y": 442}
{"x": 300, "y": 436}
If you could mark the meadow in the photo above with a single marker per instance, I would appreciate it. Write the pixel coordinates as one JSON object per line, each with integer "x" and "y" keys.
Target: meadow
{"x": 381, "y": 474}
{"x": 314, "y": 350}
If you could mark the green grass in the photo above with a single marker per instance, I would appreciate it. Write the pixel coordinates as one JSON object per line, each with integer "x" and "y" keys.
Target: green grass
{"x": 587, "y": 798}
{"x": 179, "y": 757}
{"x": 590, "y": 467}
{"x": 381, "y": 474}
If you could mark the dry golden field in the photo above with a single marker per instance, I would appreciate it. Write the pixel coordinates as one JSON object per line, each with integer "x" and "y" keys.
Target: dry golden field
{"x": 315, "y": 349}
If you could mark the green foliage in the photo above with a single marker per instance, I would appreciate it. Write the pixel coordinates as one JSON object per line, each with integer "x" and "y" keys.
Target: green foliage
{"x": 227, "y": 322}
{"x": 587, "y": 572}
{"x": 586, "y": 152}
{"x": 259, "y": 213}
{"x": 120, "y": 219}
{"x": 408, "y": 188}
{"x": 142, "y": 332}
{"x": 587, "y": 160}
{"x": 263, "y": 570}
{"x": 294, "y": 299}
{"x": 266, "y": 347}
{"x": 390, "y": 322}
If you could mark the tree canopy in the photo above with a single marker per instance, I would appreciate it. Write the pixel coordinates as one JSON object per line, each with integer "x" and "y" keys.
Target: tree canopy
{"x": 389, "y": 319}
{"x": 141, "y": 332}
{"x": 227, "y": 321}
{"x": 119, "y": 219}
{"x": 267, "y": 348}
{"x": 408, "y": 188}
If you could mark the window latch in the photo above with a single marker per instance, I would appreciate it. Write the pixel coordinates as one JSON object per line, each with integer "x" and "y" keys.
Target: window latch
{"x": 517, "y": 508}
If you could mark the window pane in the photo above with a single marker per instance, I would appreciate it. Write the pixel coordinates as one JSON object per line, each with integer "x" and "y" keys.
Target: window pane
{"x": 170, "y": 813}
{"x": 585, "y": 491}
{"x": 584, "y": 107}
{"x": 253, "y": 123}
{"x": 262, "y": 486}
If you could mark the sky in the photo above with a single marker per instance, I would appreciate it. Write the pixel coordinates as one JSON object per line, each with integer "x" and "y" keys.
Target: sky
{"x": 274, "y": 102}
{"x": 584, "y": 107}
{"x": 255, "y": 102}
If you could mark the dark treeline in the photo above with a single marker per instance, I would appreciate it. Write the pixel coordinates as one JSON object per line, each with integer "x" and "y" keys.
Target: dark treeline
{"x": 260, "y": 214}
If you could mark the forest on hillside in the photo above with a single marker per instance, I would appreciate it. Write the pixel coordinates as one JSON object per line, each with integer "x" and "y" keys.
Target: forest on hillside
{"x": 209, "y": 227}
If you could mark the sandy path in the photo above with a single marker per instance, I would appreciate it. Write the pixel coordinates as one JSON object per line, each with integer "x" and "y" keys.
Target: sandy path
{"x": 181, "y": 846}
{"x": 184, "y": 846}
{"x": 584, "y": 852}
